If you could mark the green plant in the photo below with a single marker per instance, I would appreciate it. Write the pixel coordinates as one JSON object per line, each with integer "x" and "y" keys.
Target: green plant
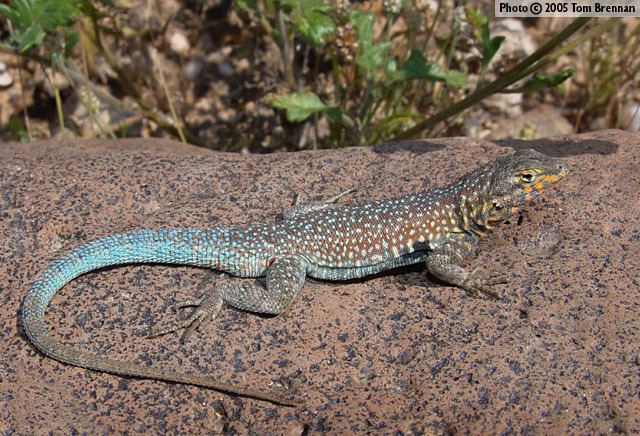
{"x": 611, "y": 64}
{"x": 32, "y": 20}
{"x": 370, "y": 75}
{"x": 18, "y": 129}
{"x": 353, "y": 72}
{"x": 379, "y": 82}
{"x": 46, "y": 31}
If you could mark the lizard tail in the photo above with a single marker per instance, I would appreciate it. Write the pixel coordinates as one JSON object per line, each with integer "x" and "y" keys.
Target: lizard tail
{"x": 172, "y": 245}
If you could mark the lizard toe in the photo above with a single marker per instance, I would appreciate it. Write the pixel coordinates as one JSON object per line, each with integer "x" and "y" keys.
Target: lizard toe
{"x": 496, "y": 278}
{"x": 206, "y": 309}
{"x": 170, "y": 329}
{"x": 198, "y": 318}
{"x": 189, "y": 303}
{"x": 477, "y": 286}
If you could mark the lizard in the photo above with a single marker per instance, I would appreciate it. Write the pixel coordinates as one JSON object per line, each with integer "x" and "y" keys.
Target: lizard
{"x": 438, "y": 227}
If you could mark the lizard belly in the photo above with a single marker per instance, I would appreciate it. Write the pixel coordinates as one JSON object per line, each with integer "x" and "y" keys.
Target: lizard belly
{"x": 326, "y": 272}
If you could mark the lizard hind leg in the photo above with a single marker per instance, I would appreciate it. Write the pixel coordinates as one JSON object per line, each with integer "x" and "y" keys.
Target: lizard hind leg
{"x": 285, "y": 277}
{"x": 206, "y": 309}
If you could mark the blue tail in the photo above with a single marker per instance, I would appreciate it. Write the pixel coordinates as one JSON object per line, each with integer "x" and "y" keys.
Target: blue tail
{"x": 172, "y": 245}
{"x": 186, "y": 246}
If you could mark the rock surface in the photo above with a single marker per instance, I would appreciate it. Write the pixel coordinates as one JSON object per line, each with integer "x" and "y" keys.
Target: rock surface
{"x": 393, "y": 354}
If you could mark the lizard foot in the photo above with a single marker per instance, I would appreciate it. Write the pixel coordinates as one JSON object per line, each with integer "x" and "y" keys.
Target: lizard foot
{"x": 206, "y": 309}
{"x": 476, "y": 285}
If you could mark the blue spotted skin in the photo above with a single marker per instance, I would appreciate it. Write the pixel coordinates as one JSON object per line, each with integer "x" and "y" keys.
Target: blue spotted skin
{"x": 325, "y": 241}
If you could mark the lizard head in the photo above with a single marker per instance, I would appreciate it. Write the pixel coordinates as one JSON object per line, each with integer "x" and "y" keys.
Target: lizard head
{"x": 517, "y": 179}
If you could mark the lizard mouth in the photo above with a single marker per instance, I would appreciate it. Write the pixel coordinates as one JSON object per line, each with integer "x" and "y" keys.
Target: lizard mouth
{"x": 564, "y": 172}
{"x": 549, "y": 180}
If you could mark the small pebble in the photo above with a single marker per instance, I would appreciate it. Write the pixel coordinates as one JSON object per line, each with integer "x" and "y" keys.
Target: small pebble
{"x": 5, "y": 78}
{"x": 179, "y": 43}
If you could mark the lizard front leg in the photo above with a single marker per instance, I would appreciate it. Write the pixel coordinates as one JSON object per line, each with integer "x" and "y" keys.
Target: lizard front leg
{"x": 285, "y": 278}
{"x": 442, "y": 263}
{"x": 299, "y": 208}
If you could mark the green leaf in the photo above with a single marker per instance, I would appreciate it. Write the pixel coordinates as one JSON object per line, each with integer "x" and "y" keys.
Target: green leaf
{"x": 476, "y": 18}
{"x": 17, "y": 129}
{"x": 370, "y": 56}
{"x": 480, "y": 23}
{"x": 541, "y": 81}
{"x": 301, "y": 105}
{"x": 363, "y": 23}
{"x": 31, "y": 19}
{"x": 71, "y": 39}
{"x": 490, "y": 47}
{"x": 334, "y": 113}
{"x": 528, "y": 131}
{"x": 416, "y": 67}
{"x": 455, "y": 79}
{"x": 390, "y": 68}
{"x": 387, "y": 125}
{"x": 310, "y": 19}
{"x": 247, "y": 6}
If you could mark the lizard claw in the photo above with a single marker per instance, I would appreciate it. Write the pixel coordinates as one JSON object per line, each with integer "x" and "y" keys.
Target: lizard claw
{"x": 206, "y": 310}
{"x": 189, "y": 303}
{"x": 476, "y": 285}
{"x": 495, "y": 279}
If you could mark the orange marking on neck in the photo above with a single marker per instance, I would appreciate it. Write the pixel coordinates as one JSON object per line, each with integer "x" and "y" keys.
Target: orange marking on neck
{"x": 538, "y": 185}
{"x": 551, "y": 179}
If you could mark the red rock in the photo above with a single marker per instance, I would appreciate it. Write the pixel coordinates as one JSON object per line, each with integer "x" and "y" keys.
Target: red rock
{"x": 560, "y": 354}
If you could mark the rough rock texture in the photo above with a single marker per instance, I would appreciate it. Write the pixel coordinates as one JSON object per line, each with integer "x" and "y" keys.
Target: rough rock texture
{"x": 394, "y": 354}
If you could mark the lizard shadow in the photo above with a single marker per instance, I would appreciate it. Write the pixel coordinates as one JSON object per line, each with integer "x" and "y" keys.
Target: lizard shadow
{"x": 550, "y": 147}
{"x": 416, "y": 146}
{"x": 420, "y": 277}
{"x": 401, "y": 270}
{"x": 562, "y": 148}
{"x": 418, "y": 268}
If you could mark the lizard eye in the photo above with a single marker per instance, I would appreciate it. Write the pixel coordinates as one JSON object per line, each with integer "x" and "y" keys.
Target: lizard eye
{"x": 526, "y": 177}
{"x": 496, "y": 204}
